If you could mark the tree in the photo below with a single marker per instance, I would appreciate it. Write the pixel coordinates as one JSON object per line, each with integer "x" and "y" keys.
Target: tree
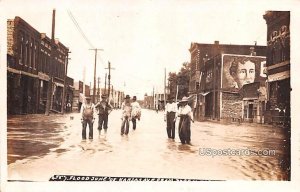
{"x": 181, "y": 79}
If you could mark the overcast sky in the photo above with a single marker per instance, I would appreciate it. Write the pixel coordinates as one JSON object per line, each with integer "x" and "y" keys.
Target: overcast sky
{"x": 141, "y": 38}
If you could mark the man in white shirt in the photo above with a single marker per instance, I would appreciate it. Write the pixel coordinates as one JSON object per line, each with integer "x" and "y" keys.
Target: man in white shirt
{"x": 170, "y": 117}
{"x": 88, "y": 115}
{"x": 126, "y": 115}
{"x": 136, "y": 112}
{"x": 186, "y": 116}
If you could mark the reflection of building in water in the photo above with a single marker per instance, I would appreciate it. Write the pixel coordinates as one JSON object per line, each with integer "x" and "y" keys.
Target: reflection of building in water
{"x": 278, "y": 66}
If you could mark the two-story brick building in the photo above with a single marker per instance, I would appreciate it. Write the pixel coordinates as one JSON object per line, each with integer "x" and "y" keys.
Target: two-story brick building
{"x": 28, "y": 69}
{"x": 278, "y": 66}
{"x": 206, "y": 70}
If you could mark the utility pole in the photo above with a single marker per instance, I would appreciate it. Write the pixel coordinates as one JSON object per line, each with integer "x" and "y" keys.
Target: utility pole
{"x": 50, "y": 83}
{"x": 109, "y": 68}
{"x": 95, "y": 69}
{"x": 165, "y": 87}
{"x": 105, "y": 84}
{"x": 98, "y": 92}
{"x": 65, "y": 84}
{"x": 153, "y": 98}
{"x": 112, "y": 94}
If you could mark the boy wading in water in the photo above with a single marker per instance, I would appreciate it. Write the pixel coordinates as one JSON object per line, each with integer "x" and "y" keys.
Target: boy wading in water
{"x": 170, "y": 116}
{"x": 88, "y": 117}
{"x": 104, "y": 109}
{"x": 186, "y": 116}
{"x": 136, "y": 112}
{"x": 126, "y": 115}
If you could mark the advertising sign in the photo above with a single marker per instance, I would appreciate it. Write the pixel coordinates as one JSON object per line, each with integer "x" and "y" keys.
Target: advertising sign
{"x": 239, "y": 70}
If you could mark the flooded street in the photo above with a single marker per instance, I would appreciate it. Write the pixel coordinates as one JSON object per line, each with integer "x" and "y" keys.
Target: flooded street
{"x": 40, "y": 147}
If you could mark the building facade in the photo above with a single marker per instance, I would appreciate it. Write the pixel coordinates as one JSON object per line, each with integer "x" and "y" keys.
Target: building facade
{"x": 29, "y": 68}
{"x": 278, "y": 66}
{"x": 228, "y": 90}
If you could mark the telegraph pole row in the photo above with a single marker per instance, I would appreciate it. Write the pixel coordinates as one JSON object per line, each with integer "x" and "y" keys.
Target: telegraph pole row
{"x": 50, "y": 83}
{"x": 105, "y": 84}
{"x": 109, "y": 68}
{"x": 65, "y": 84}
{"x": 98, "y": 92}
{"x": 95, "y": 69}
{"x": 165, "y": 87}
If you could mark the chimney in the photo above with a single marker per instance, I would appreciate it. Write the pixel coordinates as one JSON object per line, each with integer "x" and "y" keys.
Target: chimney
{"x": 217, "y": 42}
{"x": 56, "y": 41}
{"x": 43, "y": 35}
{"x": 252, "y": 51}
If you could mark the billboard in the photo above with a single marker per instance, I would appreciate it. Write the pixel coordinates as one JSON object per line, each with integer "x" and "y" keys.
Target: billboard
{"x": 239, "y": 70}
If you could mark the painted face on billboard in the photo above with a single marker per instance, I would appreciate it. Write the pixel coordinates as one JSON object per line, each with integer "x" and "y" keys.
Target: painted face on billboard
{"x": 240, "y": 70}
{"x": 245, "y": 73}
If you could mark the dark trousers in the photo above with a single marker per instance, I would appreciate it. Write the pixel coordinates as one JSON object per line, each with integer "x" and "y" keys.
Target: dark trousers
{"x": 184, "y": 129}
{"x": 84, "y": 125}
{"x": 171, "y": 125}
{"x": 125, "y": 125}
{"x": 133, "y": 123}
{"x": 103, "y": 119}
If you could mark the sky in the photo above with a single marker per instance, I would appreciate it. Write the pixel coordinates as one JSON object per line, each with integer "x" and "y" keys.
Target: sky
{"x": 141, "y": 38}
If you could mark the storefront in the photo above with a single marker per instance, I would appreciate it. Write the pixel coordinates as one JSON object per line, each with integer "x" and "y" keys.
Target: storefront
{"x": 21, "y": 92}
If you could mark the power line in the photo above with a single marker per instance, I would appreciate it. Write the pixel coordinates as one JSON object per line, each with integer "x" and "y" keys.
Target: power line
{"x": 79, "y": 29}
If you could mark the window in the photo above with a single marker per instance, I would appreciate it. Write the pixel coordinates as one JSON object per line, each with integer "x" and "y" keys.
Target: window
{"x": 21, "y": 50}
{"x": 26, "y": 53}
{"x": 35, "y": 57}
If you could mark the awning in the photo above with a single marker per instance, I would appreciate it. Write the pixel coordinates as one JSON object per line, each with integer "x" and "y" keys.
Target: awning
{"x": 279, "y": 76}
{"x": 205, "y": 93}
{"x": 43, "y": 76}
{"x": 21, "y": 72}
{"x": 59, "y": 84}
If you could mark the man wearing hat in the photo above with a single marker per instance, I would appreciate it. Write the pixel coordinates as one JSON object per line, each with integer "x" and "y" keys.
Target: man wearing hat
{"x": 170, "y": 116}
{"x": 186, "y": 116}
{"x": 126, "y": 115}
{"x": 136, "y": 112}
{"x": 104, "y": 109}
{"x": 88, "y": 117}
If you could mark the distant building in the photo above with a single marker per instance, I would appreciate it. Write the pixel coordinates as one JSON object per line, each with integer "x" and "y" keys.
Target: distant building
{"x": 28, "y": 69}
{"x": 278, "y": 66}
{"x": 159, "y": 101}
{"x": 148, "y": 102}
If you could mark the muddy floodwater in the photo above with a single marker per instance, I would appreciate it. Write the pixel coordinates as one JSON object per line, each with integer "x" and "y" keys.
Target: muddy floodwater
{"x": 41, "y": 146}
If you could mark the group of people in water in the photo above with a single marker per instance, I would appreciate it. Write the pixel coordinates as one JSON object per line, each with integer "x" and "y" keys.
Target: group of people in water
{"x": 131, "y": 111}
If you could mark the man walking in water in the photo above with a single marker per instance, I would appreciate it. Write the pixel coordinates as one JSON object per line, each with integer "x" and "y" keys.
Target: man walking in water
{"x": 186, "y": 116}
{"x": 126, "y": 115}
{"x": 136, "y": 112}
{"x": 104, "y": 109}
{"x": 88, "y": 117}
{"x": 170, "y": 116}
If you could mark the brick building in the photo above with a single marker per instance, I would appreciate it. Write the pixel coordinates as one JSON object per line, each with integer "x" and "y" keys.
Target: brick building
{"x": 206, "y": 80}
{"x": 28, "y": 69}
{"x": 278, "y": 66}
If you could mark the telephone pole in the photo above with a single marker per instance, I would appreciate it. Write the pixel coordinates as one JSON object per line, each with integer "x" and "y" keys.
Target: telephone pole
{"x": 165, "y": 87}
{"x": 105, "y": 84}
{"x": 50, "y": 83}
{"x": 109, "y": 68}
{"x": 98, "y": 92}
{"x": 95, "y": 69}
{"x": 65, "y": 84}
